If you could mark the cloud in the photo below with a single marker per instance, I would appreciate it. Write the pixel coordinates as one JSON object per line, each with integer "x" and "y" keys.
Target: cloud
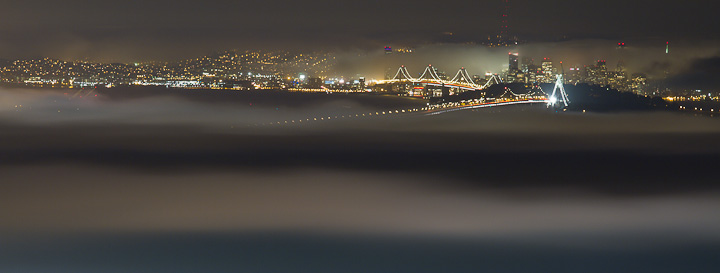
{"x": 176, "y": 130}
{"x": 700, "y": 74}
{"x": 327, "y": 201}
{"x": 164, "y": 171}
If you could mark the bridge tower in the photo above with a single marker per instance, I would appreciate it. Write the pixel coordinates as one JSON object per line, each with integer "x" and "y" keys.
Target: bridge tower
{"x": 559, "y": 85}
{"x": 402, "y": 74}
{"x": 494, "y": 79}
{"x": 434, "y": 85}
{"x": 553, "y": 100}
{"x": 430, "y": 71}
{"x": 462, "y": 76}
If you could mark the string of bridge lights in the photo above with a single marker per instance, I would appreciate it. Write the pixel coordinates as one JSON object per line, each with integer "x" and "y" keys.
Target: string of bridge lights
{"x": 488, "y": 105}
{"x": 429, "y": 110}
{"x": 368, "y": 114}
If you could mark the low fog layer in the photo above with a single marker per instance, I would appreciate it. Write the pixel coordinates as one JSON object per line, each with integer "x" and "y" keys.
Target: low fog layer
{"x": 81, "y": 198}
{"x": 218, "y": 109}
{"x": 132, "y": 166}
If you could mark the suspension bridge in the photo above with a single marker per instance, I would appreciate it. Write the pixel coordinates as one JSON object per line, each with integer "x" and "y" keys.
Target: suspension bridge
{"x": 430, "y": 77}
{"x": 558, "y": 98}
{"x": 464, "y": 82}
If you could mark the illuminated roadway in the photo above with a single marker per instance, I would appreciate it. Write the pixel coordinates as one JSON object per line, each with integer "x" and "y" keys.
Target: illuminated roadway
{"x": 443, "y": 110}
{"x": 428, "y": 111}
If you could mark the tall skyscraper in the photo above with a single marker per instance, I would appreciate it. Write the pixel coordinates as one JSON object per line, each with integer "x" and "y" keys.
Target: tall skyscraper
{"x": 621, "y": 57}
{"x": 667, "y": 60}
{"x": 601, "y": 73}
{"x": 513, "y": 68}
{"x": 513, "y": 62}
{"x": 547, "y": 69}
{"x": 602, "y": 65}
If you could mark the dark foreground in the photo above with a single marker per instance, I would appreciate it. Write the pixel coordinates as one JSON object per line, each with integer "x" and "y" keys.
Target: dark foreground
{"x": 262, "y": 252}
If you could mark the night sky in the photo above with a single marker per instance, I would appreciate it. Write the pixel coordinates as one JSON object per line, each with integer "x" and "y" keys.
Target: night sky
{"x": 160, "y": 29}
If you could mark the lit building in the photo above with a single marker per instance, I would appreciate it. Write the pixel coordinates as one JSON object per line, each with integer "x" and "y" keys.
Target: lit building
{"x": 513, "y": 68}
{"x": 526, "y": 64}
{"x": 638, "y": 84}
{"x": 513, "y": 62}
{"x": 547, "y": 70}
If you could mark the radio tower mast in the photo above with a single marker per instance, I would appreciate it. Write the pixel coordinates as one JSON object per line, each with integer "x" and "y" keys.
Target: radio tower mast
{"x": 504, "y": 26}
{"x": 504, "y": 33}
{"x": 503, "y": 38}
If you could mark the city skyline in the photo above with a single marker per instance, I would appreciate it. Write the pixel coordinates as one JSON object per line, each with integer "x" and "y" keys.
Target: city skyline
{"x": 627, "y": 67}
{"x": 284, "y": 136}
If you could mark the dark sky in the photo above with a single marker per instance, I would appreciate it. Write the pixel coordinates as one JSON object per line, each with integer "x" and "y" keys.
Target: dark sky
{"x": 160, "y": 29}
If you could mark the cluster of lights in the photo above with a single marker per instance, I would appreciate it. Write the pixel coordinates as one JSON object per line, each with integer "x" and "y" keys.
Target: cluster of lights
{"x": 225, "y": 65}
{"x": 697, "y": 109}
{"x": 452, "y": 107}
{"x": 326, "y": 90}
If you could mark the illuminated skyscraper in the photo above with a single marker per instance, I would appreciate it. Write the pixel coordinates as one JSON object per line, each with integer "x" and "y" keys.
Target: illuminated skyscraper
{"x": 602, "y": 65}
{"x": 598, "y": 74}
{"x": 547, "y": 70}
{"x": 513, "y": 62}
{"x": 621, "y": 57}
{"x": 527, "y": 63}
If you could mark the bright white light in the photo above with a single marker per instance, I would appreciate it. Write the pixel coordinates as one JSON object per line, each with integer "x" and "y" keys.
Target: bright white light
{"x": 553, "y": 100}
